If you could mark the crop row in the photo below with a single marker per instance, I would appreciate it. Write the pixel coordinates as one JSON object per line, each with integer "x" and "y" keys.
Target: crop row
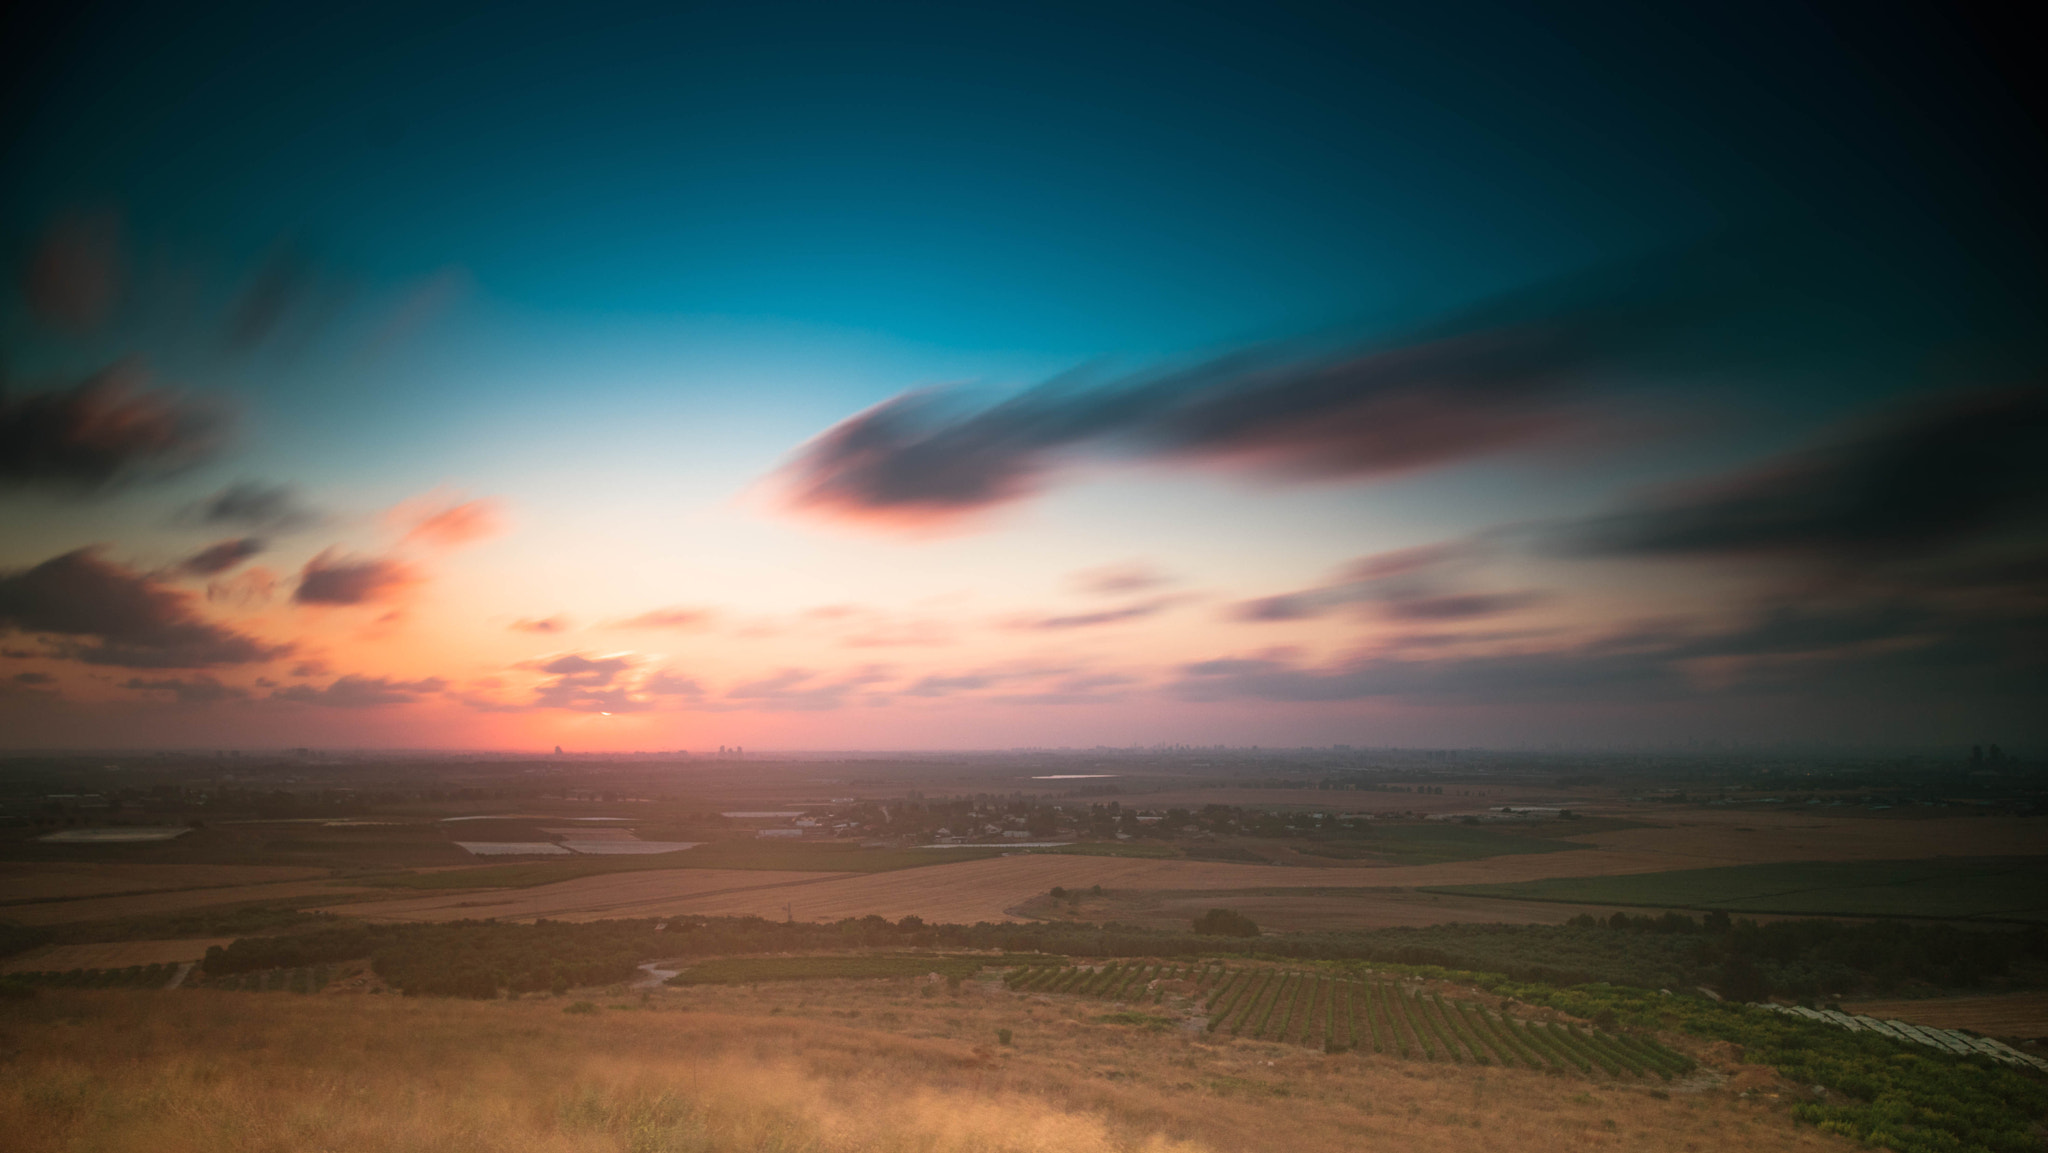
{"x": 1338, "y": 1014}
{"x": 749, "y": 970}
{"x": 304, "y": 979}
{"x": 132, "y": 977}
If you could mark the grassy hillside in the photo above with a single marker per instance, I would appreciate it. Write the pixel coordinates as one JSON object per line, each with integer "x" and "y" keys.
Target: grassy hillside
{"x": 874, "y": 1068}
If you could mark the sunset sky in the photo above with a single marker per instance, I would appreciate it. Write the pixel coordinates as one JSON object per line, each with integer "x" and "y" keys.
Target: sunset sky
{"x": 878, "y": 376}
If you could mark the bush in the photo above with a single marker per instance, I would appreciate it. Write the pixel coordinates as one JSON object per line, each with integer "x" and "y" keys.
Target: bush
{"x": 580, "y": 1007}
{"x": 1225, "y": 923}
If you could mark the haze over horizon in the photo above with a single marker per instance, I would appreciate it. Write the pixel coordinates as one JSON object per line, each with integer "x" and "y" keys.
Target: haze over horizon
{"x": 823, "y": 377}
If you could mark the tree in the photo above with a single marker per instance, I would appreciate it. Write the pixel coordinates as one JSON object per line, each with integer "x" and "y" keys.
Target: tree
{"x": 1225, "y": 923}
{"x": 1742, "y": 981}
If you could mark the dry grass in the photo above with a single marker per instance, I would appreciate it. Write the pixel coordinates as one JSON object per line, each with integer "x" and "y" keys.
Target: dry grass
{"x": 829, "y": 1066}
{"x": 2008, "y": 1015}
{"x": 110, "y": 955}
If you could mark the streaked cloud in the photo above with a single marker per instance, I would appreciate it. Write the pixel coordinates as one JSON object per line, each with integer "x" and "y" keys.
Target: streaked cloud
{"x": 93, "y": 610}
{"x": 104, "y": 431}
{"x": 333, "y": 578}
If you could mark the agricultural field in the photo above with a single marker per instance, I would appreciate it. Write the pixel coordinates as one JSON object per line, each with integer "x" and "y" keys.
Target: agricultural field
{"x": 838, "y": 966}
{"x": 1290, "y": 909}
{"x": 112, "y": 954}
{"x": 69, "y": 880}
{"x": 1999, "y": 888}
{"x": 993, "y": 888}
{"x": 131, "y": 977}
{"x": 2021, "y": 1015}
{"x": 1337, "y": 1013}
{"x": 114, "y": 908}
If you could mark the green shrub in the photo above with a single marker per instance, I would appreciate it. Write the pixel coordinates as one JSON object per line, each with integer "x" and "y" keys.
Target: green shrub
{"x": 1225, "y": 923}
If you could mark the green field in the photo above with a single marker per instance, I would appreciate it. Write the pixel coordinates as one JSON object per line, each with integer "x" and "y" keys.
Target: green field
{"x": 1436, "y": 842}
{"x": 1990, "y": 888}
{"x": 1334, "y": 1011}
{"x": 716, "y": 855}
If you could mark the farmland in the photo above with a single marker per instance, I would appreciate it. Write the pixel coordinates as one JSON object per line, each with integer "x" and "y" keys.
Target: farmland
{"x": 856, "y": 966}
{"x": 112, "y": 954}
{"x": 2002, "y": 888}
{"x": 1341, "y": 1012}
{"x": 2023, "y": 1015}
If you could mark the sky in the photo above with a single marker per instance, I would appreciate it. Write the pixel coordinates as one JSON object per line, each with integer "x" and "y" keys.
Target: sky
{"x": 894, "y": 376}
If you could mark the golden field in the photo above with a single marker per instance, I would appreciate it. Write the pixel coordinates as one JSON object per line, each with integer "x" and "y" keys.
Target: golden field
{"x": 873, "y": 1067}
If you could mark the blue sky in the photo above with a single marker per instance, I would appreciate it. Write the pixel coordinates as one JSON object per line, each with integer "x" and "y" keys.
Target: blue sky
{"x": 622, "y": 274}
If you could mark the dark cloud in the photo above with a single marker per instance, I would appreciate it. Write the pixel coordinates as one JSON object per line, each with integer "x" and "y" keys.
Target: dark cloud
{"x": 134, "y": 622}
{"x": 1508, "y": 376}
{"x": 333, "y": 579}
{"x": 34, "y": 678}
{"x": 314, "y": 668}
{"x": 1906, "y": 655}
{"x": 218, "y": 558}
{"x": 1926, "y": 480}
{"x": 554, "y": 624}
{"x": 74, "y": 276}
{"x": 102, "y": 432}
{"x": 252, "y": 504}
{"x": 200, "y": 690}
{"x": 1119, "y": 615}
{"x": 1457, "y": 606}
{"x": 358, "y": 692}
